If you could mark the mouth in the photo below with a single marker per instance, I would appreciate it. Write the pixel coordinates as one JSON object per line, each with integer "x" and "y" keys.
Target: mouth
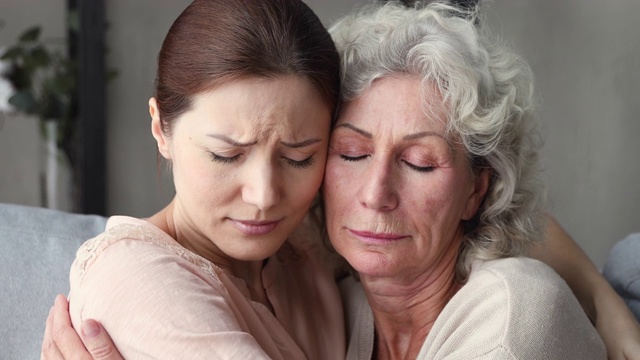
{"x": 376, "y": 238}
{"x": 250, "y": 227}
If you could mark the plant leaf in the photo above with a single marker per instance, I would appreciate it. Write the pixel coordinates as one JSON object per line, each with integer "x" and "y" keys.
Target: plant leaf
{"x": 53, "y": 107}
{"x": 19, "y": 77}
{"x": 12, "y": 53}
{"x": 30, "y": 35}
{"x": 40, "y": 56}
{"x": 24, "y": 101}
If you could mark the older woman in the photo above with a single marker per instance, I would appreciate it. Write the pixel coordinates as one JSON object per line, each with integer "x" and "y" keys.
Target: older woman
{"x": 436, "y": 141}
{"x": 431, "y": 174}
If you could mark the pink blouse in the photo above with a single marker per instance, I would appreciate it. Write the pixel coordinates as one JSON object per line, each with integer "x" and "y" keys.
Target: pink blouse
{"x": 159, "y": 300}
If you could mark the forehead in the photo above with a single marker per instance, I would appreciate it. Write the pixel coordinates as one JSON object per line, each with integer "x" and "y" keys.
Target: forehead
{"x": 260, "y": 106}
{"x": 397, "y": 102}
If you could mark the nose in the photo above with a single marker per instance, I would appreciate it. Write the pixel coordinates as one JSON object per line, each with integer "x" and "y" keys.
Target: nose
{"x": 261, "y": 187}
{"x": 379, "y": 191}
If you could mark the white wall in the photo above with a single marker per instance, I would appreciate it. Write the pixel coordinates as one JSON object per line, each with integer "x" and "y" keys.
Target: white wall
{"x": 135, "y": 34}
{"x": 586, "y": 58}
{"x": 585, "y": 54}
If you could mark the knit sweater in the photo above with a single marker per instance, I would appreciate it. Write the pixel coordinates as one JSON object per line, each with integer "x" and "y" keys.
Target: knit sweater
{"x": 516, "y": 308}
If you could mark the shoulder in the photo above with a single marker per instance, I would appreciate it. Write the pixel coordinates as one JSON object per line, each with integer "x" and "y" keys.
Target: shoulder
{"x": 134, "y": 257}
{"x": 135, "y": 243}
{"x": 517, "y": 276}
{"x": 520, "y": 306}
{"x": 142, "y": 287}
{"x": 513, "y": 286}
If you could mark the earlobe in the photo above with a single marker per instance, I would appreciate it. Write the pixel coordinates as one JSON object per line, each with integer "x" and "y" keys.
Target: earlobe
{"x": 481, "y": 186}
{"x": 156, "y": 129}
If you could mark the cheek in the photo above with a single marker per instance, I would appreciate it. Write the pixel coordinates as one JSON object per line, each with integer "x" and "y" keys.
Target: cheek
{"x": 338, "y": 189}
{"x": 336, "y": 174}
{"x": 308, "y": 185}
{"x": 196, "y": 175}
{"x": 444, "y": 196}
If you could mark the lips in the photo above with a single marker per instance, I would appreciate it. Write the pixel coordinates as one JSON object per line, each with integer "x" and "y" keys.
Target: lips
{"x": 249, "y": 227}
{"x": 376, "y": 238}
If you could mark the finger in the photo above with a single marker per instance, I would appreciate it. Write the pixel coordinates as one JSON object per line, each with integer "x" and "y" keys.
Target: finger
{"x": 633, "y": 353}
{"x": 64, "y": 336}
{"x": 98, "y": 342}
{"x": 49, "y": 350}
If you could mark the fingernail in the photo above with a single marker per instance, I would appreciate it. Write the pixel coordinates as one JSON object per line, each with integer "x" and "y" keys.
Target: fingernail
{"x": 90, "y": 329}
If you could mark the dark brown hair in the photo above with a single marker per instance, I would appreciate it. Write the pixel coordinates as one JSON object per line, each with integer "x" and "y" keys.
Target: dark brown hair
{"x": 216, "y": 41}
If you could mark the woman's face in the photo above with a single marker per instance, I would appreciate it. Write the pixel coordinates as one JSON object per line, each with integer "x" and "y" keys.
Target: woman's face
{"x": 396, "y": 190}
{"x": 248, "y": 159}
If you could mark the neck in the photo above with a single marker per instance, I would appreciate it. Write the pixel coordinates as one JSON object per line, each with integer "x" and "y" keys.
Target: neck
{"x": 406, "y": 307}
{"x": 173, "y": 221}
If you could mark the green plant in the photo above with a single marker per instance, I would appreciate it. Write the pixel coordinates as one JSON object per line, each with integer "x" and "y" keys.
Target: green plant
{"x": 43, "y": 79}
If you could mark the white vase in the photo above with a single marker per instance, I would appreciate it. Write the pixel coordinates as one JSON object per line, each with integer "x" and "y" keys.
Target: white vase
{"x": 57, "y": 177}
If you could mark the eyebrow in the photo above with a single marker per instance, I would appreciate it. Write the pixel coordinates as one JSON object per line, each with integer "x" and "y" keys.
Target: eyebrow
{"x": 232, "y": 142}
{"x": 406, "y": 137}
{"x": 358, "y": 130}
{"x": 423, "y": 134}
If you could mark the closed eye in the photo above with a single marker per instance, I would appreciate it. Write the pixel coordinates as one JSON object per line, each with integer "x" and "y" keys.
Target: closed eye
{"x": 352, "y": 158}
{"x": 301, "y": 164}
{"x": 422, "y": 169}
{"x": 224, "y": 159}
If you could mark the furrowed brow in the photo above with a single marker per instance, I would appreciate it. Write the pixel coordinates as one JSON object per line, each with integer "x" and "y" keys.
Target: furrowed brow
{"x": 230, "y": 141}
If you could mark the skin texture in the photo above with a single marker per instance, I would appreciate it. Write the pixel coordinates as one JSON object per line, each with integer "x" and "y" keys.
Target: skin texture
{"x": 402, "y": 226}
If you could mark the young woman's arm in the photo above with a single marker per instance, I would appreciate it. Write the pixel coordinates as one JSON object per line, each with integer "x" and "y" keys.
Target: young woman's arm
{"x": 610, "y": 315}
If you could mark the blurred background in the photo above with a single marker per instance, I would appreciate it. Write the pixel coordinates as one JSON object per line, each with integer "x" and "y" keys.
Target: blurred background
{"x": 585, "y": 55}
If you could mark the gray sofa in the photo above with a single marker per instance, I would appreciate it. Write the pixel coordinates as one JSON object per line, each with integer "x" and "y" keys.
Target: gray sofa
{"x": 37, "y": 247}
{"x": 623, "y": 271}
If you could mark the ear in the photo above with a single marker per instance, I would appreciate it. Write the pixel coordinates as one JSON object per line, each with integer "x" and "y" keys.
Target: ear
{"x": 481, "y": 185}
{"x": 156, "y": 129}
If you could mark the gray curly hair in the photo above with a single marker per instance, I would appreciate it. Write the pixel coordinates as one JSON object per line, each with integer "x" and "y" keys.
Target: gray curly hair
{"x": 487, "y": 94}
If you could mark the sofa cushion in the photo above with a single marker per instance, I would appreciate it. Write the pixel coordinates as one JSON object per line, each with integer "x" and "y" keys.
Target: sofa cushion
{"x": 37, "y": 247}
{"x": 622, "y": 270}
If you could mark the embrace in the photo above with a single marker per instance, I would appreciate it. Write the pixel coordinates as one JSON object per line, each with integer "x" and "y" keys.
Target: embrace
{"x": 403, "y": 140}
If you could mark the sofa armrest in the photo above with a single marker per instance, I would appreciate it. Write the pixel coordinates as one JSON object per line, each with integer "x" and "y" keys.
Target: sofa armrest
{"x": 37, "y": 247}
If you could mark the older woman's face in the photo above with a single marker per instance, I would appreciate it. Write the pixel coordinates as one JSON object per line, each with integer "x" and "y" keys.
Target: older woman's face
{"x": 396, "y": 191}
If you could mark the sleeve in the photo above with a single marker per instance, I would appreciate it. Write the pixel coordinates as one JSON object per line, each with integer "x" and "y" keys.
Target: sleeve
{"x": 155, "y": 304}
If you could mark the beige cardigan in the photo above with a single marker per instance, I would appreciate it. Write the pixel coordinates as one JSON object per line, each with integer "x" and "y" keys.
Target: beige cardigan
{"x": 515, "y": 308}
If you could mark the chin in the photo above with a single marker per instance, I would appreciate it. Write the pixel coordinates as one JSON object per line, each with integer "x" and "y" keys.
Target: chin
{"x": 255, "y": 255}
{"x": 369, "y": 263}
{"x": 258, "y": 252}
